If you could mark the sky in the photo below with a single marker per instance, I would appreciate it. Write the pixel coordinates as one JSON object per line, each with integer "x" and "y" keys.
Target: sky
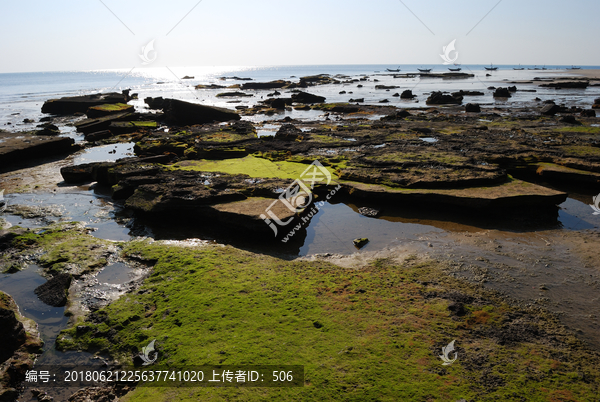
{"x": 67, "y": 35}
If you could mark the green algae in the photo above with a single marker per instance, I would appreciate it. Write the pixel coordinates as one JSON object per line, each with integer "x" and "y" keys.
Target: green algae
{"x": 380, "y": 330}
{"x": 250, "y": 165}
{"x": 66, "y": 248}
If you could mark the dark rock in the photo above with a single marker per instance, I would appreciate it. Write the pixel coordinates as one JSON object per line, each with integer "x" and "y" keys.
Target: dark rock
{"x": 101, "y": 123}
{"x": 71, "y": 105}
{"x": 342, "y": 92}
{"x": 14, "y": 149}
{"x": 288, "y": 132}
{"x": 304, "y": 97}
{"x": 588, "y": 113}
{"x": 357, "y": 100}
{"x": 12, "y": 335}
{"x": 396, "y": 95}
{"x": 400, "y": 114}
{"x": 502, "y": 93}
{"x": 278, "y": 103}
{"x": 567, "y": 84}
{"x": 472, "y": 108}
{"x": 467, "y": 93}
{"x": 550, "y": 109}
{"x": 98, "y": 135}
{"x": 385, "y": 87}
{"x": 236, "y": 94}
{"x": 569, "y": 120}
{"x": 491, "y": 88}
{"x": 512, "y": 89}
{"x": 186, "y": 113}
{"x": 48, "y": 129}
{"x": 384, "y": 101}
{"x": 361, "y": 242}
{"x": 439, "y": 98}
{"x": 407, "y": 94}
{"x": 266, "y": 85}
{"x": 596, "y": 104}
{"x": 54, "y": 292}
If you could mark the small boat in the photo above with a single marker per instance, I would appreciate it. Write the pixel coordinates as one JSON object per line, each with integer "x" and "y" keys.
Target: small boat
{"x": 519, "y": 68}
{"x": 393, "y": 71}
{"x": 454, "y": 69}
{"x": 573, "y": 68}
{"x": 424, "y": 70}
{"x": 491, "y": 68}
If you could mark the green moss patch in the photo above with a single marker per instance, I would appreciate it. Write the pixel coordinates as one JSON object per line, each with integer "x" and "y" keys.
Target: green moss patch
{"x": 249, "y": 165}
{"x": 368, "y": 334}
{"x": 66, "y": 248}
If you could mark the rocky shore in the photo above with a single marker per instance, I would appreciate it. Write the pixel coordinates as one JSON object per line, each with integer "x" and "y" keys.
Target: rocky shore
{"x": 379, "y": 320}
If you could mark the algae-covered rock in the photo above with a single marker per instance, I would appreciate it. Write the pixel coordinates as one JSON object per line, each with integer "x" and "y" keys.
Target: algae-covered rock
{"x": 74, "y": 104}
{"x": 55, "y": 291}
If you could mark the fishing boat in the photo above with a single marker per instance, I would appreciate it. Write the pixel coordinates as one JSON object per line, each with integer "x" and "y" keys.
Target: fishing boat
{"x": 454, "y": 69}
{"x": 518, "y": 68}
{"x": 491, "y": 68}
{"x": 393, "y": 71}
{"x": 573, "y": 68}
{"x": 424, "y": 70}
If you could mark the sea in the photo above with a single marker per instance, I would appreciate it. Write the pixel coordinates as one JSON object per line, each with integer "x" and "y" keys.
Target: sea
{"x": 23, "y": 94}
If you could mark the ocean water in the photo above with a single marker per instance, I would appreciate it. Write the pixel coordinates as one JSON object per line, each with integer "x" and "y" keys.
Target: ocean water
{"x": 23, "y": 94}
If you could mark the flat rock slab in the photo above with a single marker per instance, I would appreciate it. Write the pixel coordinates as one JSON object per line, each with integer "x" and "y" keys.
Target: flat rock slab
{"x": 74, "y": 104}
{"x": 21, "y": 146}
{"x": 566, "y": 174}
{"x": 512, "y": 194}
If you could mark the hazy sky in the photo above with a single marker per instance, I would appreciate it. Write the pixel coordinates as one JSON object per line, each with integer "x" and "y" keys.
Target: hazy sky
{"x": 86, "y": 35}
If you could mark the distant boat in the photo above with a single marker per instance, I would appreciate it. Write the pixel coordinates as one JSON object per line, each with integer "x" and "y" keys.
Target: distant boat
{"x": 455, "y": 69}
{"x": 573, "y": 68}
{"x": 519, "y": 68}
{"x": 491, "y": 68}
{"x": 424, "y": 70}
{"x": 393, "y": 71}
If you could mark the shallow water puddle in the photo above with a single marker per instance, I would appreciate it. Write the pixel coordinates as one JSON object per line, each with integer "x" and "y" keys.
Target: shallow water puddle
{"x": 105, "y": 153}
{"x": 83, "y": 205}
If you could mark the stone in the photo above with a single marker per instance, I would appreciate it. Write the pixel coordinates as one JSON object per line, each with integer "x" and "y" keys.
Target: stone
{"x": 502, "y": 93}
{"x": 304, "y": 97}
{"x": 567, "y": 84}
{"x": 588, "y": 113}
{"x": 360, "y": 243}
{"x": 439, "y": 98}
{"x": 550, "y": 109}
{"x": 407, "y": 94}
{"x": 73, "y": 104}
{"x": 288, "y": 132}
{"x": 357, "y": 100}
{"x": 472, "y": 108}
{"x": 186, "y": 113}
